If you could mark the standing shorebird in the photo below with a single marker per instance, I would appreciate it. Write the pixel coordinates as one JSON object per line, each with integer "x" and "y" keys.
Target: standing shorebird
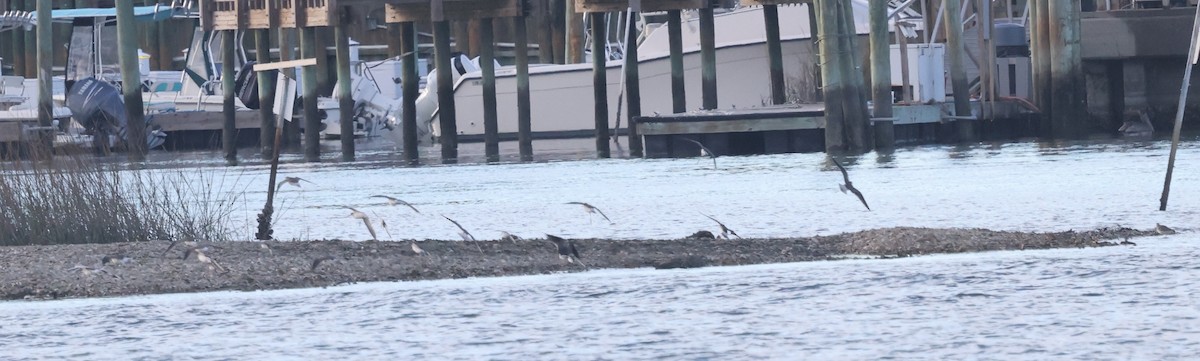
{"x": 113, "y": 260}
{"x": 592, "y": 209}
{"x": 295, "y": 181}
{"x": 391, "y": 201}
{"x": 415, "y": 248}
{"x": 725, "y": 231}
{"x": 505, "y": 236}
{"x": 707, "y": 151}
{"x": 849, "y": 186}
{"x": 366, "y": 220}
{"x": 203, "y": 258}
{"x": 462, "y": 232}
{"x": 1163, "y": 230}
{"x": 566, "y": 249}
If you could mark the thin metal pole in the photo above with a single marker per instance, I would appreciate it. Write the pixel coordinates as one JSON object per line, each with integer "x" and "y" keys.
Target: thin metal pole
{"x": 135, "y": 123}
{"x": 524, "y": 125}
{"x": 487, "y": 65}
{"x": 345, "y": 99}
{"x": 600, "y": 84}
{"x": 411, "y": 80}
{"x": 774, "y": 53}
{"x": 1187, "y": 76}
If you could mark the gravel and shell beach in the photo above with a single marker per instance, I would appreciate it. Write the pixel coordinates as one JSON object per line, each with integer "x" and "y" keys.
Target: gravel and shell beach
{"x": 120, "y": 269}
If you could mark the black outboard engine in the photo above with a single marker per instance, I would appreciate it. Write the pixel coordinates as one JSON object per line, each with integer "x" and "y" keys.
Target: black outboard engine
{"x": 246, "y": 85}
{"x": 98, "y": 106}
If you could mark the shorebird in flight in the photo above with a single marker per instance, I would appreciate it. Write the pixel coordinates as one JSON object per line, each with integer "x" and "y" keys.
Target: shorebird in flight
{"x": 849, "y": 186}
{"x": 366, "y": 220}
{"x": 415, "y": 248}
{"x": 707, "y": 151}
{"x": 317, "y": 262}
{"x": 391, "y": 201}
{"x": 462, "y": 232}
{"x": 88, "y": 271}
{"x": 725, "y": 231}
{"x": 505, "y": 236}
{"x": 566, "y": 249}
{"x": 592, "y": 209}
{"x": 200, "y": 256}
{"x": 295, "y": 181}
{"x": 1163, "y": 230}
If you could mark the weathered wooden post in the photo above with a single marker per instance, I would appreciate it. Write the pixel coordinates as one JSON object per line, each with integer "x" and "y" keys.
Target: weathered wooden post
{"x": 905, "y": 81}
{"x": 30, "y": 52}
{"x": 600, "y": 84}
{"x": 487, "y": 66}
{"x": 228, "y": 73}
{"x": 1040, "y": 48}
{"x": 345, "y": 99}
{"x": 312, "y": 118}
{"x": 408, "y": 122}
{"x": 881, "y": 76}
{"x": 17, "y": 60}
{"x": 524, "y": 124}
{"x": 675, "y": 37}
{"x": 288, "y": 51}
{"x": 131, "y": 80}
{"x": 958, "y": 76}
{"x": 813, "y": 42}
{"x": 708, "y": 58}
{"x": 833, "y": 87}
{"x": 633, "y": 91}
{"x": 1066, "y": 70}
{"x": 445, "y": 82}
{"x": 855, "y": 117}
{"x": 774, "y": 54}
{"x": 45, "y": 58}
{"x": 266, "y": 93}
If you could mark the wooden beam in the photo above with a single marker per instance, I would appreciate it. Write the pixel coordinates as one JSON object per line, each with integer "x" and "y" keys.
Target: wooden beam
{"x": 675, "y": 37}
{"x": 453, "y": 10}
{"x": 602, "y": 6}
{"x": 633, "y": 91}
{"x": 772, "y": 2}
{"x": 447, "y": 119}
{"x": 279, "y": 65}
{"x": 345, "y": 99}
{"x": 228, "y": 75}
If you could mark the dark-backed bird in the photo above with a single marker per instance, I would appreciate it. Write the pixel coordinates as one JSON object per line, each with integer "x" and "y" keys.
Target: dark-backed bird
{"x": 707, "y": 151}
{"x": 592, "y": 209}
{"x": 366, "y": 220}
{"x": 849, "y": 186}
{"x": 566, "y": 249}
{"x": 394, "y": 201}
{"x": 1163, "y": 230}
{"x": 317, "y": 262}
{"x": 725, "y": 231}
{"x": 295, "y": 181}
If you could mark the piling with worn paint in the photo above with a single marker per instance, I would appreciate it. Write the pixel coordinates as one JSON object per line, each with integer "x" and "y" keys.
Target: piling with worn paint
{"x": 881, "y": 76}
{"x": 675, "y": 37}
{"x": 958, "y": 76}
{"x": 833, "y": 87}
{"x": 524, "y": 125}
{"x": 1066, "y": 71}
{"x": 446, "y": 112}
{"x": 774, "y": 54}
{"x": 855, "y": 117}
{"x": 135, "y": 121}
{"x": 411, "y": 80}
{"x": 633, "y": 92}
{"x": 600, "y": 84}
{"x": 487, "y": 65}
{"x": 312, "y": 119}
{"x": 228, "y": 73}
{"x": 345, "y": 99}
{"x": 30, "y": 53}
{"x": 45, "y": 56}
{"x": 708, "y": 59}
{"x": 815, "y": 47}
{"x": 266, "y": 93}
{"x": 1040, "y": 49}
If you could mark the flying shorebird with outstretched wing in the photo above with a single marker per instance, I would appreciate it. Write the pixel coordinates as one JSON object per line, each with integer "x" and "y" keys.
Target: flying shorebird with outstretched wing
{"x": 462, "y": 232}
{"x": 725, "y": 231}
{"x": 366, "y": 220}
{"x": 592, "y": 209}
{"x": 394, "y": 201}
{"x": 295, "y": 181}
{"x": 849, "y": 186}
{"x": 707, "y": 151}
{"x": 566, "y": 249}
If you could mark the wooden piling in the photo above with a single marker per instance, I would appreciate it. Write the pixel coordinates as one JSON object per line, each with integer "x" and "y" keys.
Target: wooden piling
{"x": 574, "y": 34}
{"x": 905, "y": 81}
{"x": 833, "y": 88}
{"x": 345, "y": 99}
{"x": 958, "y": 75}
{"x": 600, "y": 84}
{"x": 708, "y": 59}
{"x": 881, "y": 76}
{"x": 321, "y": 52}
{"x": 1066, "y": 70}
{"x": 1040, "y": 46}
{"x": 312, "y": 119}
{"x": 30, "y": 52}
{"x": 855, "y": 117}
{"x": 774, "y": 54}
{"x": 228, "y": 75}
{"x": 675, "y": 37}
{"x": 45, "y": 58}
{"x": 633, "y": 92}
{"x": 266, "y": 94}
{"x": 487, "y": 65}
{"x": 814, "y": 29}
{"x": 135, "y": 121}
{"x": 395, "y": 40}
{"x": 524, "y": 125}
{"x": 411, "y": 80}
{"x": 17, "y": 60}
{"x": 446, "y": 114}
{"x": 287, "y": 51}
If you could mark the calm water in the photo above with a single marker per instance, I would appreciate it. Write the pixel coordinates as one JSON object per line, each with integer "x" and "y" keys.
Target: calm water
{"x": 1112, "y": 303}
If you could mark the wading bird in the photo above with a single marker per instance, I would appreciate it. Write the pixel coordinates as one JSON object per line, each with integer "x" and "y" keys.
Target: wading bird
{"x": 849, "y": 186}
{"x": 295, "y": 181}
{"x": 725, "y": 231}
{"x": 462, "y": 232}
{"x": 566, "y": 249}
{"x": 592, "y": 209}
{"x": 1163, "y": 230}
{"x": 366, "y": 220}
{"x": 707, "y": 151}
{"x": 391, "y": 201}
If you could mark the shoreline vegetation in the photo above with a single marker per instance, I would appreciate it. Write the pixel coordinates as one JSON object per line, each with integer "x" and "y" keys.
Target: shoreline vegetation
{"x": 138, "y": 268}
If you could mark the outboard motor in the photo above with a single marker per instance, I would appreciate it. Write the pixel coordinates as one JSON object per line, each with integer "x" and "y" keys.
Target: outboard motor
{"x": 427, "y": 101}
{"x": 98, "y": 106}
{"x": 246, "y": 85}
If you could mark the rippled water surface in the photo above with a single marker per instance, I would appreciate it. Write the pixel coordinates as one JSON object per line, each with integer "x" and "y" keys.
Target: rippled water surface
{"x": 1110, "y": 303}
